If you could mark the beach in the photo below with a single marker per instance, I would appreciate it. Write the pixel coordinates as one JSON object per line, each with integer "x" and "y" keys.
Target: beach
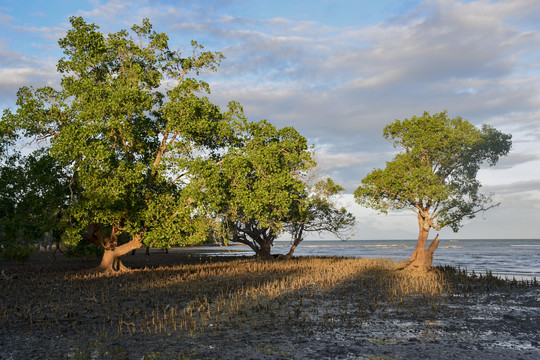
{"x": 190, "y": 304}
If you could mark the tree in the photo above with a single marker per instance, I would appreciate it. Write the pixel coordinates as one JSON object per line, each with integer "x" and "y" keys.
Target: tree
{"x": 8, "y": 136}
{"x": 128, "y": 119}
{"x": 258, "y": 189}
{"x": 252, "y": 187}
{"x": 434, "y": 175}
{"x": 316, "y": 212}
{"x": 33, "y": 193}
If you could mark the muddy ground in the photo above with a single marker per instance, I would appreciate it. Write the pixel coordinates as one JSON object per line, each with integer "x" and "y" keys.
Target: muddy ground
{"x": 50, "y": 311}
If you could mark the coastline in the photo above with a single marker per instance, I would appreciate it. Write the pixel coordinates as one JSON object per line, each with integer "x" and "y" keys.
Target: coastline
{"x": 347, "y": 316}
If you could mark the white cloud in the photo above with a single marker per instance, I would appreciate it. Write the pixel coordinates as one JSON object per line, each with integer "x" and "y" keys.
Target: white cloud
{"x": 330, "y": 161}
{"x": 516, "y": 216}
{"x": 111, "y": 11}
{"x": 5, "y": 19}
{"x": 372, "y": 225}
{"x": 52, "y": 33}
{"x": 339, "y": 86}
{"x": 11, "y": 79}
{"x": 8, "y": 57}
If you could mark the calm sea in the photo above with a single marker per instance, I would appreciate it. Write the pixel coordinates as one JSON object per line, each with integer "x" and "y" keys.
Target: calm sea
{"x": 506, "y": 258}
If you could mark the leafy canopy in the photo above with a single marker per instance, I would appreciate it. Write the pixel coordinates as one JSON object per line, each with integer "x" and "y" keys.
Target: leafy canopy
{"x": 316, "y": 212}
{"x": 33, "y": 191}
{"x": 128, "y": 119}
{"x": 434, "y": 174}
{"x": 252, "y": 187}
{"x": 261, "y": 186}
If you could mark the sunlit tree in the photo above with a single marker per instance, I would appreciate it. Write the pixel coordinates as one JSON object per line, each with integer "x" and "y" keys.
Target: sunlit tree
{"x": 434, "y": 175}
{"x": 128, "y": 118}
{"x": 316, "y": 212}
{"x": 258, "y": 189}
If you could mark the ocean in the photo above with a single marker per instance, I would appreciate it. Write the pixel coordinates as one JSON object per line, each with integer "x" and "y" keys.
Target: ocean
{"x": 518, "y": 259}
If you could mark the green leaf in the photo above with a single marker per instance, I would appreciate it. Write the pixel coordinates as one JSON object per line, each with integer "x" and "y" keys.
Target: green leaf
{"x": 435, "y": 172}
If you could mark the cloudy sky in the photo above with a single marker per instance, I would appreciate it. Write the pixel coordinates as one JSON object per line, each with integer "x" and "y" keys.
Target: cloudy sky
{"x": 339, "y": 71}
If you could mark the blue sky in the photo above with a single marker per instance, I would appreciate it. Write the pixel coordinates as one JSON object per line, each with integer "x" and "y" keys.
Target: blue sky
{"x": 339, "y": 71}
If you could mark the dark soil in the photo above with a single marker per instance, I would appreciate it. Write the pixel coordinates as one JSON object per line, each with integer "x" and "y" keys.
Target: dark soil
{"x": 62, "y": 310}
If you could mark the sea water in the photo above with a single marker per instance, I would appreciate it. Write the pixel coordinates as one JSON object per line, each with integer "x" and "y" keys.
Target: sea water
{"x": 502, "y": 257}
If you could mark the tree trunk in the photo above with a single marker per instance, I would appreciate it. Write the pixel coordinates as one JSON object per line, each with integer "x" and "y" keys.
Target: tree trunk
{"x": 298, "y": 237}
{"x": 422, "y": 258}
{"x": 296, "y": 242}
{"x": 264, "y": 251}
{"x": 111, "y": 263}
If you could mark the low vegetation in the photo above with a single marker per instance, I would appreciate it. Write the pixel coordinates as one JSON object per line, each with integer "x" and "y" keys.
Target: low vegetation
{"x": 212, "y": 294}
{"x": 182, "y": 305}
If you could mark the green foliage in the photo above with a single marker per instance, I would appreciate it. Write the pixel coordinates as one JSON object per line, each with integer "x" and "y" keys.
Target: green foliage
{"x": 18, "y": 251}
{"x": 259, "y": 188}
{"x": 33, "y": 192}
{"x": 256, "y": 181}
{"x": 146, "y": 155}
{"x": 316, "y": 212}
{"x": 84, "y": 249}
{"x": 263, "y": 173}
{"x": 435, "y": 172}
{"x": 127, "y": 121}
{"x": 8, "y": 135}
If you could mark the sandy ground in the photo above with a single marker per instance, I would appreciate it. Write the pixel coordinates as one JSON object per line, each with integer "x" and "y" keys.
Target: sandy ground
{"x": 487, "y": 324}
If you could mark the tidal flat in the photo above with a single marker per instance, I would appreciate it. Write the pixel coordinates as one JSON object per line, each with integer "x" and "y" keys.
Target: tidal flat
{"x": 186, "y": 305}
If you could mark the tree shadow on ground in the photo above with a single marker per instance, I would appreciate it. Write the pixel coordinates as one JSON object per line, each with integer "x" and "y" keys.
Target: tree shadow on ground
{"x": 205, "y": 307}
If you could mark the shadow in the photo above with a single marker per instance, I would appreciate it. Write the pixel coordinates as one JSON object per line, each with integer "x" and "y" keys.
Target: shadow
{"x": 223, "y": 305}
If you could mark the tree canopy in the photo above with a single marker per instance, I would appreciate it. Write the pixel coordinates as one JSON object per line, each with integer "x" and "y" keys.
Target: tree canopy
{"x": 258, "y": 189}
{"x": 316, "y": 212}
{"x": 138, "y": 154}
{"x": 129, "y": 117}
{"x": 33, "y": 193}
{"x": 252, "y": 188}
{"x": 434, "y": 174}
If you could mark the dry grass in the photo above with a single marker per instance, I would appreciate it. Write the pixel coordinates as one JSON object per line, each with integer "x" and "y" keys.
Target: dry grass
{"x": 216, "y": 294}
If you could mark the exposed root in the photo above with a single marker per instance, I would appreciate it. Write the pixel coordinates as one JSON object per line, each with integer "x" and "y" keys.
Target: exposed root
{"x": 420, "y": 260}
{"x": 117, "y": 267}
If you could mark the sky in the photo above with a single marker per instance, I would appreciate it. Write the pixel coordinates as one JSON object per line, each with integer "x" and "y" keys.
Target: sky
{"x": 339, "y": 71}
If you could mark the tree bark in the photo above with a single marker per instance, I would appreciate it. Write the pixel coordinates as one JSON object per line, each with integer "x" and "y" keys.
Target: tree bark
{"x": 422, "y": 258}
{"x": 111, "y": 263}
{"x": 265, "y": 249}
{"x": 296, "y": 242}
{"x": 298, "y": 237}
